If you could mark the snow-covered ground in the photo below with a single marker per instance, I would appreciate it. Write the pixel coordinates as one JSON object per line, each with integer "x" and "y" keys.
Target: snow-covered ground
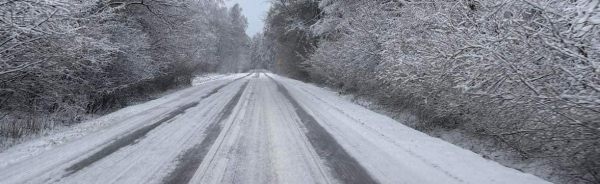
{"x": 259, "y": 129}
{"x": 201, "y": 79}
{"x": 378, "y": 140}
{"x": 486, "y": 147}
{"x": 65, "y": 134}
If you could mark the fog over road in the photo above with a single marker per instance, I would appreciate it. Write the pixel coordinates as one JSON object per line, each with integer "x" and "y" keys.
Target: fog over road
{"x": 260, "y": 128}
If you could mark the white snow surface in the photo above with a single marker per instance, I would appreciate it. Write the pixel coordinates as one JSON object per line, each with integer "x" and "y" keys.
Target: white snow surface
{"x": 67, "y": 134}
{"x": 201, "y": 79}
{"x": 393, "y": 152}
{"x": 262, "y": 141}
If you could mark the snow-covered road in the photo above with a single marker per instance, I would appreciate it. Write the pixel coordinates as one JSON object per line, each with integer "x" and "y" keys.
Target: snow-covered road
{"x": 259, "y": 128}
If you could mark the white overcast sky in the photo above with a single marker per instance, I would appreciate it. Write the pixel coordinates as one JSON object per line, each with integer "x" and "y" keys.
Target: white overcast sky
{"x": 255, "y": 11}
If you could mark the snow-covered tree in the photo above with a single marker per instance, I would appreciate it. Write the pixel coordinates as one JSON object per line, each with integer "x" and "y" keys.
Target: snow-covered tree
{"x": 61, "y": 59}
{"x": 261, "y": 54}
{"x": 524, "y": 73}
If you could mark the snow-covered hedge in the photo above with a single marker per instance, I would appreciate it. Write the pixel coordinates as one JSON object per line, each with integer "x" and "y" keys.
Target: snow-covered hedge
{"x": 62, "y": 59}
{"x": 524, "y": 72}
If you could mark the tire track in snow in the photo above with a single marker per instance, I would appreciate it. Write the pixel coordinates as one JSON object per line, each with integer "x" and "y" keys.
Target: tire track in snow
{"x": 387, "y": 138}
{"x": 344, "y": 167}
{"x": 126, "y": 140}
{"x": 192, "y": 158}
{"x": 133, "y": 137}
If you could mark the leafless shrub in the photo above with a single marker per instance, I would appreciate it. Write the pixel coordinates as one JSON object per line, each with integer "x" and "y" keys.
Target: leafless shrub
{"x": 525, "y": 73}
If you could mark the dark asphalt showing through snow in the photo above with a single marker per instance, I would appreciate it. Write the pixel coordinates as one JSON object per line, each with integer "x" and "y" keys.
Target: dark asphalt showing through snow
{"x": 192, "y": 158}
{"x": 260, "y": 129}
{"x": 125, "y": 141}
{"x": 131, "y": 138}
{"x": 345, "y": 167}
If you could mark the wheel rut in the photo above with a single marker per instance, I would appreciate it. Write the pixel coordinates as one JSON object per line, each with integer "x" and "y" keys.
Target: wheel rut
{"x": 132, "y": 137}
{"x": 191, "y": 159}
{"x": 343, "y": 166}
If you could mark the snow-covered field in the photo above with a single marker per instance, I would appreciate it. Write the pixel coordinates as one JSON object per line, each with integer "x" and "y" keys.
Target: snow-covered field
{"x": 259, "y": 129}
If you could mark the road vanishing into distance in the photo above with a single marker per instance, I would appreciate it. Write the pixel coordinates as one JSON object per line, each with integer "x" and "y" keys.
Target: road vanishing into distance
{"x": 257, "y": 128}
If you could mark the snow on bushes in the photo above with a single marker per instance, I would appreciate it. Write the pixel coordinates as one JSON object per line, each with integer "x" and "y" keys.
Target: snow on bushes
{"x": 525, "y": 73}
